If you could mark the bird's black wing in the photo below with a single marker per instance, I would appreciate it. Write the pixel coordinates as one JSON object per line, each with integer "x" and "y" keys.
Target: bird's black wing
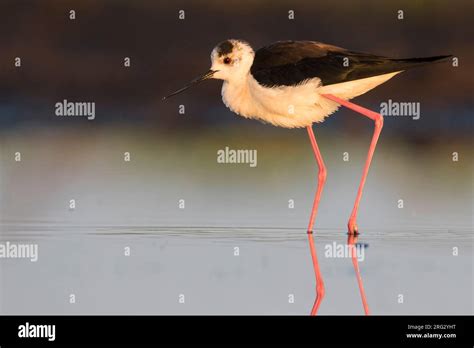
{"x": 288, "y": 63}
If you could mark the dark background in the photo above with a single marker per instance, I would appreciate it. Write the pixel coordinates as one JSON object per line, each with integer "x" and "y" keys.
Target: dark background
{"x": 82, "y": 59}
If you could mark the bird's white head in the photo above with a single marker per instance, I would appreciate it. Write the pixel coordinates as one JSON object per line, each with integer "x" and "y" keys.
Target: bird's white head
{"x": 231, "y": 61}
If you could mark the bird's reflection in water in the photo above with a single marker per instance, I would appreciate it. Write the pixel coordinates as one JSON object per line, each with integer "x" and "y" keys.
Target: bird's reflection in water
{"x": 353, "y": 247}
{"x": 317, "y": 273}
{"x": 351, "y": 241}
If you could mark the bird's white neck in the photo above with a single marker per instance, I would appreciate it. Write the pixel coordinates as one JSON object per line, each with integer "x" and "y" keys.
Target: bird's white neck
{"x": 243, "y": 96}
{"x": 235, "y": 92}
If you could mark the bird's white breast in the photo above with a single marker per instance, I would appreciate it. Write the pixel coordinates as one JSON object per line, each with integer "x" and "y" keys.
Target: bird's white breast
{"x": 291, "y": 106}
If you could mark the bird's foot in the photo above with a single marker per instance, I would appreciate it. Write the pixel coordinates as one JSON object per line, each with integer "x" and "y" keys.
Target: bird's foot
{"x": 352, "y": 227}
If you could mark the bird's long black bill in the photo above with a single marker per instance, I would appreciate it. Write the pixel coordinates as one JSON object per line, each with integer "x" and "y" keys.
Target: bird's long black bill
{"x": 192, "y": 83}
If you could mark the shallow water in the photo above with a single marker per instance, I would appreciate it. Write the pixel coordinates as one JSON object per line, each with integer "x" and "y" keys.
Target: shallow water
{"x": 408, "y": 251}
{"x": 200, "y": 263}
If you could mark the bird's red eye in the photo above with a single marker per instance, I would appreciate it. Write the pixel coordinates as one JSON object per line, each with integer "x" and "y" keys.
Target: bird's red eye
{"x": 227, "y": 60}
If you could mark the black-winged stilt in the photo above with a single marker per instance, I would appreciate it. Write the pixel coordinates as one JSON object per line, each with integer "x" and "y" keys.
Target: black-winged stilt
{"x": 294, "y": 84}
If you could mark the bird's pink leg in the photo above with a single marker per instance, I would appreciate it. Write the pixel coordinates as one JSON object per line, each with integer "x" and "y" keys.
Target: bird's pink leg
{"x": 378, "y": 119}
{"x": 321, "y": 181}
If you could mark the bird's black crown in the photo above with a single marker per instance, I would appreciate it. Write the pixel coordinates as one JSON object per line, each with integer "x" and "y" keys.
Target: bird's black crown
{"x": 224, "y": 47}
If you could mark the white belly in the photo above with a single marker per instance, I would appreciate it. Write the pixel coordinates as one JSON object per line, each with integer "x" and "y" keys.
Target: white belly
{"x": 295, "y": 106}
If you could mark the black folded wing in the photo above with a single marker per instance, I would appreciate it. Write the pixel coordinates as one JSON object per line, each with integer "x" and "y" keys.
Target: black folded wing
{"x": 289, "y": 63}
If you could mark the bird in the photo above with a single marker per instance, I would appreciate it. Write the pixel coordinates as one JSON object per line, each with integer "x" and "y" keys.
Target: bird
{"x": 295, "y": 84}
